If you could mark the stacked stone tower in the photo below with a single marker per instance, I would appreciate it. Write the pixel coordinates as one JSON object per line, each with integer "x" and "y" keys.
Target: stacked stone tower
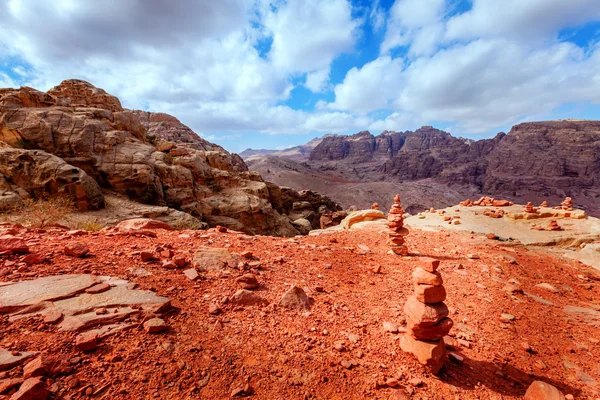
{"x": 567, "y": 204}
{"x": 398, "y": 231}
{"x": 427, "y": 317}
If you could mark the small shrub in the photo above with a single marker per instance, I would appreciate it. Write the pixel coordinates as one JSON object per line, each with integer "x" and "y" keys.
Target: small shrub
{"x": 187, "y": 224}
{"x": 43, "y": 212}
{"x": 91, "y": 225}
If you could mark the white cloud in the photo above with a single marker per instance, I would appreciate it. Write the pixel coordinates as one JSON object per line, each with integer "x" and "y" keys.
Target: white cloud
{"x": 523, "y": 20}
{"x": 317, "y": 81}
{"x": 309, "y": 34}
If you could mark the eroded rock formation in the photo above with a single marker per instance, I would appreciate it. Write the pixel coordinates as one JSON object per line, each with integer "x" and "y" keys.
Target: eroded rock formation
{"x": 151, "y": 157}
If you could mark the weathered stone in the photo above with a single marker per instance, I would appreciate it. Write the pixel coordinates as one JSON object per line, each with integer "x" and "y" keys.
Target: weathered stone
{"x": 429, "y": 353}
{"x": 539, "y": 390}
{"x": 430, "y": 264}
{"x": 245, "y": 297}
{"x": 424, "y": 314}
{"x": 35, "y": 258}
{"x": 191, "y": 274}
{"x": 209, "y": 258}
{"x": 361, "y": 216}
{"x": 296, "y": 298}
{"x": 76, "y": 249}
{"x": 99, "y": 288}
{"x": 18, "y": 295}
{"x": 8, "y": 384}
{"x": 9, "y": 360}
{"x": 247, "y": 281}
{"x": 32, "y": 389}
{"x": 420, "y": 276}
{"x": 86, "y": 341}
{"x": 143, "y": 224}
{"x": 430, "y": 332}
{"x": 13, "y": 245}
{"x": 390, "y": 327}
{"x": 155, "y": 325}
{"x": 430, "y": 294}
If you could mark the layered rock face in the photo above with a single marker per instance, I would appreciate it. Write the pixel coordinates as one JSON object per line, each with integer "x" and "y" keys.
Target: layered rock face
{"x": 534, "y": 160}
{"x": 151, "y": 157}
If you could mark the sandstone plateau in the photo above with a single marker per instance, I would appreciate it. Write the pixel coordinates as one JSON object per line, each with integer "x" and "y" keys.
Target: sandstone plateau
{"x": 535, "y": 161}
{"x": 78, "y": 140}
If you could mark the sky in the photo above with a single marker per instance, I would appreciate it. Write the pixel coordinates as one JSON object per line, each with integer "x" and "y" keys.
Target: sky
{"x": 277, "y": 73}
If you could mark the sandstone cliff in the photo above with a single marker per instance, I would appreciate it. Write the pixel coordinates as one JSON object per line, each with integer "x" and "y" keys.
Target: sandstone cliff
{"x": 533, "y": 162}
{"x": 151, "y": 157}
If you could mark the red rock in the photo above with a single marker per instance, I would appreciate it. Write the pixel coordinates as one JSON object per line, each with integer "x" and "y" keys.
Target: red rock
{"x": 214, "y": 309}
{"x": 8, "y": 384}
{"x": 166, "y": 253}
{"x": 191, "y": 274}
{"x": 32, "y": 389}
{"x": 221, "y": 229}
{"x": 52, "y": 317}
{"x": 155, "y": 325}
{"x": 246, "y": 254}
{"x": 491, "y": 236}
{"x": 392, "y": 382}
{"x": 430, "y": 332}
{"x": 76, "y": 249}
{"x": 425, "y": 314}
{"x": 247, "y": 281}
{"x": 420, "y": 276}
{"x": 500, "y": 203}
{"x": 432, "y": 354}
{"x": 13, "y": 244}
{"x": 34, "y": 258}
{"x": 245, "y": 297}
{"x": 539, "y": 390}
{"x": 86, "y": 341}
{"x": 430, "y": 294}
{"x": 143, "y": 224}
{"x": 430, "y": 264}
{"x": 169, "y": 264}
{"x": 146, "y": 256}
{"x": 36, "y": 367}
{"x": 180, "y": 261}
{"x": 99, "y": 288}
{"x": 296, "y": 298}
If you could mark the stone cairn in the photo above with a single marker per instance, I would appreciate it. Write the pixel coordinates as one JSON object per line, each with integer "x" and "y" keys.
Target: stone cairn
{"x": 375, "y": 206}
{"x": 397, "y": 229}
{"x": 529, "y": 208}
{"x": 544, "y": 204}
{"x": 427, "y": 317}
{"x": 553, "y": 226}
{"x": 567, "y": 204}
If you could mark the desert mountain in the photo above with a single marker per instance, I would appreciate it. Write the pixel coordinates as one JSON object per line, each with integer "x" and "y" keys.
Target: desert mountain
{"x": 78, "y": 139}
{"x": 533, "y": 162}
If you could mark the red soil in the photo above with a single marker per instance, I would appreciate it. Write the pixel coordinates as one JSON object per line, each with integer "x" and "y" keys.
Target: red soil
{"x": 289, "y": 354}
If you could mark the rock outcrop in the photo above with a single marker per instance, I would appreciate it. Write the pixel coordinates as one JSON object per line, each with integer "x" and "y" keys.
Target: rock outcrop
{"x": 151, "y": 157}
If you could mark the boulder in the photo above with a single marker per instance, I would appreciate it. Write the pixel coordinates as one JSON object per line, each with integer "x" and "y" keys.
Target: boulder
{"x": 245, "y": 297}
{"x": 32, "y": 389}
{"x": 208, "y": 258}
{"x": 36, "y": 173}
{"x": 13, "y": 245}
{"x": 361, "y": 216}
{"x": 539, "y": 390}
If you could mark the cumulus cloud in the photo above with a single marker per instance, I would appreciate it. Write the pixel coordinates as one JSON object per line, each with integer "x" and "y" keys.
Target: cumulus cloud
{"x": 317, "y": 81}
{"x": 473, "y": 72}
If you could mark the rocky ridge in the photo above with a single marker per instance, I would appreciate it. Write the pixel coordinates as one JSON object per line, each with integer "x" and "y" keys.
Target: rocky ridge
{"x": 534, "y": 161}
{"x": 77, "y": 139}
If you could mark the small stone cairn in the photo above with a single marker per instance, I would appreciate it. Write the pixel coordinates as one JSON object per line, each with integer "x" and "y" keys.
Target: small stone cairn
{"x": 544, "y": 204}
{"x": 567, "y": 204}
{"x": 375, "y": 206}
{"x": 397, "y": 229}
{"x": 529, "y": 208}
{"x": 553, "y": 226}
{"x": 427, "y": 317}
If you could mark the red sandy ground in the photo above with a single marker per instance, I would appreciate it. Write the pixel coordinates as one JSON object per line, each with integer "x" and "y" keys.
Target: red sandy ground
{"x": 285, "y": 354}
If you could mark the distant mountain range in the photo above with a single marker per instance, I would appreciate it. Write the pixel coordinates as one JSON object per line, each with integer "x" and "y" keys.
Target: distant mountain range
{"x": 533, "y": 162}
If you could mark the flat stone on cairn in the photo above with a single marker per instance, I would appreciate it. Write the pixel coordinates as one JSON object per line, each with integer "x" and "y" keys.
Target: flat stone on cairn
{"x": 427, "y": 317}
{"x": 398, "y": 231}
{"x": 567, "y": 204}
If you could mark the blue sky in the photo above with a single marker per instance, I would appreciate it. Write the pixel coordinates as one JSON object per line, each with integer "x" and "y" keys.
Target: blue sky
{"x": 277, "y": 73}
